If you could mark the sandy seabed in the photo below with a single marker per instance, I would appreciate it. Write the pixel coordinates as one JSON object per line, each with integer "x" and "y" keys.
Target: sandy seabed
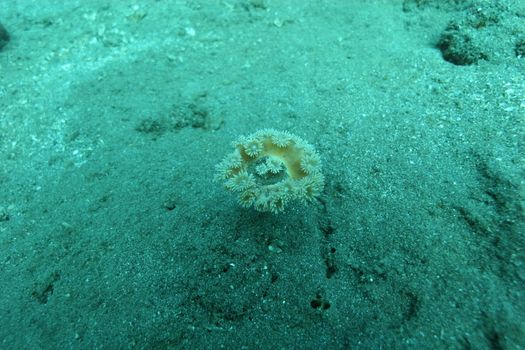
{"x": 113, "y": 116}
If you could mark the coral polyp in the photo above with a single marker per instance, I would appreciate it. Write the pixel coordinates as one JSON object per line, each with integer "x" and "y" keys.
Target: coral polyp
{"x": 271, "y": 168}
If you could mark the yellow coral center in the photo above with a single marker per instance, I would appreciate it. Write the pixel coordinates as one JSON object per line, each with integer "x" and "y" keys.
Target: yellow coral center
{"x": 290, "y": 155}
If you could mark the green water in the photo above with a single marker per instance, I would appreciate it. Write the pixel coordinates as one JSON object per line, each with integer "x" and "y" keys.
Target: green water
{"x": 114, "y": 114}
